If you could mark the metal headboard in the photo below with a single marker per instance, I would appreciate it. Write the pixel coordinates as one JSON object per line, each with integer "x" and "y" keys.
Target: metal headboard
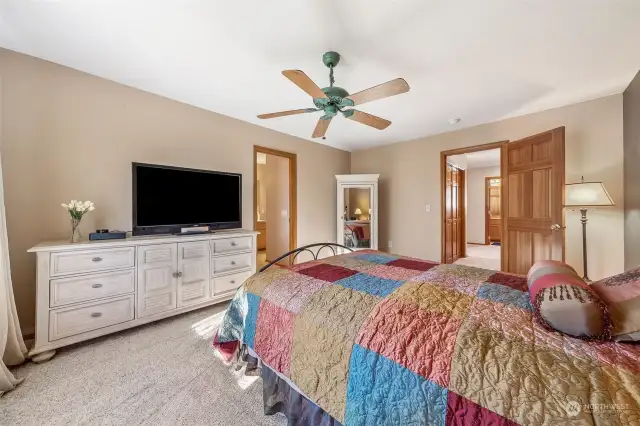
{"x": 308, "y": 247}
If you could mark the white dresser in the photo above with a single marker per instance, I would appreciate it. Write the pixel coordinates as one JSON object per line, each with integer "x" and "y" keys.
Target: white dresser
{"x": 93, "y": 288}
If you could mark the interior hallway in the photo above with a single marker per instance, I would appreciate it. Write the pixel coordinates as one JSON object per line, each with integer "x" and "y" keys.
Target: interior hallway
{"x": 481, "y": 256}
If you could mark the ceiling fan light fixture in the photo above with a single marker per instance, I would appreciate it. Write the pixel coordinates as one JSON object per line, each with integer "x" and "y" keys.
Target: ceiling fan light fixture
{"x": 333, "y": 99}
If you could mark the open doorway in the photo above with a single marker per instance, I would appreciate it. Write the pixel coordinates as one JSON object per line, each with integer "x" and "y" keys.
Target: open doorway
{"x": 274, "y": 200}
{"x": 472, "y": 206}
{"x": 531, "y": 199}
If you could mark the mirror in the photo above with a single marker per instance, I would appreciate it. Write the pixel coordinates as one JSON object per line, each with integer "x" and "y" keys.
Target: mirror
{"x": 356, "y": 217}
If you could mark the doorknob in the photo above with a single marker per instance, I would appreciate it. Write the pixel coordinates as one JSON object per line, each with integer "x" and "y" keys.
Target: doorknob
{"x": 557, "y": 227}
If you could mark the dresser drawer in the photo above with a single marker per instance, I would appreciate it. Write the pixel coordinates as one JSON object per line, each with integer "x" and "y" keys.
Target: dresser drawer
{"x": 66, "y": 322}
{"x": 229, "y": 245}
{"x": 63, "y": 263}
{"x": 229, "y": 283}
{"x": 64, "y": 291}
{"x": 234, "y": 262}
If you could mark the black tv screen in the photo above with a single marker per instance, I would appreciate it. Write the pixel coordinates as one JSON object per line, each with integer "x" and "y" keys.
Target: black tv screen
{"x": 166, "y": 199}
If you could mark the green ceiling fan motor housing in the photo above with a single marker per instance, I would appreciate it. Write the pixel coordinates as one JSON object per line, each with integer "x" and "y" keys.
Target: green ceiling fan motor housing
{"x": 335, "y": 100}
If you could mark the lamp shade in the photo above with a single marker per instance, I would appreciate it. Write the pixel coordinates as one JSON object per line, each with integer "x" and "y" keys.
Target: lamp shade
{"x": 587, "y": 194}
{"x": 358, "y": 211}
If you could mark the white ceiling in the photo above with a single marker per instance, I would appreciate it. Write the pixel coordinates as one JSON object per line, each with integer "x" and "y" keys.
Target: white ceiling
{"x": 488, "y": 158}
{"x": 474, "y": 160}
{"x": 460, "y": 161}
{"x": 477, "y": 60}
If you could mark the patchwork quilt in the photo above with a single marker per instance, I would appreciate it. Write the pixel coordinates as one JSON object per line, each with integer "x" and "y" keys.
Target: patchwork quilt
{"x": 378, "y": 339}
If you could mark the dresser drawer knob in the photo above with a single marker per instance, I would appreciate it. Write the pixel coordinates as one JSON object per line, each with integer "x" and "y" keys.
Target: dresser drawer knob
{"x": 233, "y": 262}
{"x": 96, "y": 259}
{"x": 233, "y": 244}
{"x": 96, "y": 314}
{"x": 96, "y": 286}
{"x": 233, "y": 281}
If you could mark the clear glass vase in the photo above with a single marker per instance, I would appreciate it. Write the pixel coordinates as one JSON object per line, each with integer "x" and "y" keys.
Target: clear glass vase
{"x": 75, "y": 230}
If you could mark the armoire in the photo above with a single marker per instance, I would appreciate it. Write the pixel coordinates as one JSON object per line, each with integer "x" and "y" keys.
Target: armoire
{"x": 357, "y": 201}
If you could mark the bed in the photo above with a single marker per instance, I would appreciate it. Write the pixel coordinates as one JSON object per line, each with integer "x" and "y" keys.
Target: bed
{"x": 368, "y": 338}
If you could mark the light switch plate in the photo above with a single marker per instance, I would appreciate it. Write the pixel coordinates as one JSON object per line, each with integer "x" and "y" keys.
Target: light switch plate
{"x": 428, "y": 208}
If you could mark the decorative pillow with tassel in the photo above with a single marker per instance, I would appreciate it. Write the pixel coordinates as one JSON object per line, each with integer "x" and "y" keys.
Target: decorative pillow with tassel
{"x": 621, "y": 293}
{"x": 563, "y": 302}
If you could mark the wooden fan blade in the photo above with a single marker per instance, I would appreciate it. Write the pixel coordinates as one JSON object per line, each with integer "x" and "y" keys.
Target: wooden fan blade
{"x": 301, "y": 80}
{"x": 321, "y": 127}
{"x": 368, "y": 119}
{"x": 284, "y": 113}
{"x": 384, "y": 90}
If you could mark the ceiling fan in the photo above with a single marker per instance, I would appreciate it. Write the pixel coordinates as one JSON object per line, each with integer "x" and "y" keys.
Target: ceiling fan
{"x": 333, "y": 99}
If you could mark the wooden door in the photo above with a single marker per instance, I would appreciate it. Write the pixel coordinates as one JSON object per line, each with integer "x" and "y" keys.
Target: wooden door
{"x": 455, "y": 214}
{"x": 462, "y": 214}
{"x": 193, "y": 275}
{"x": 534, "y": 191}
{"x": 448, "y": 228}
{"x": 453, "y": 223}
{"x": 157, "y": 278}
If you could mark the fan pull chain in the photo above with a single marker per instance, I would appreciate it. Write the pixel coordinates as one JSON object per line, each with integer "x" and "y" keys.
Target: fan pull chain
{"x": 331, "y": 79}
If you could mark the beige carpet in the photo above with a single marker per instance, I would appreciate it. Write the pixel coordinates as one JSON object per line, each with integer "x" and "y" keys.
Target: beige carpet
{"x": 159, "y": 374}
{"x": 480, "y": 256}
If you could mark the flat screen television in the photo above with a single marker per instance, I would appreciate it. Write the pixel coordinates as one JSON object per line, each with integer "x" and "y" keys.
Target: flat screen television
{"x": 168, "y": 199}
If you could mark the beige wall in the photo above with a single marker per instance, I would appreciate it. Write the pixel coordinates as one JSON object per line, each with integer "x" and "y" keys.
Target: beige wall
{"x": 410, "y": 179}
{"x": 632, "y": 174}
{"x": 70, "y": 135}
{"x": 476, "y": 203}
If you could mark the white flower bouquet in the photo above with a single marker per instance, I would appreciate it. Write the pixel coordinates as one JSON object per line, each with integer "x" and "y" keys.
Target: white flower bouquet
{"x": 77, "y": 209}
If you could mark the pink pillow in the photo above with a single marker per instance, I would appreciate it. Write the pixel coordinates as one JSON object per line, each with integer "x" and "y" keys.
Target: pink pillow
{"x": 562, "y": 301}
{"x": 621, "y": 294}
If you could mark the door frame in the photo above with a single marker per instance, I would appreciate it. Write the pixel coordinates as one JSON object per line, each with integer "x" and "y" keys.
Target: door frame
{"x": 502, "y": 145}
{"x": 487, "y": 218}
{"x": 293, "y": 190}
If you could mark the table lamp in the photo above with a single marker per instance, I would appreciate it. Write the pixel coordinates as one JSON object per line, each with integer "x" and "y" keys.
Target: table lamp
{"x": 358, "y": 213}
{"x": 583, "y": 195}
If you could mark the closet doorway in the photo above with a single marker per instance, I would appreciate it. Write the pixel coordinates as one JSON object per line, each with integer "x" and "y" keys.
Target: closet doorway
{"x": 274, "y": 201}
